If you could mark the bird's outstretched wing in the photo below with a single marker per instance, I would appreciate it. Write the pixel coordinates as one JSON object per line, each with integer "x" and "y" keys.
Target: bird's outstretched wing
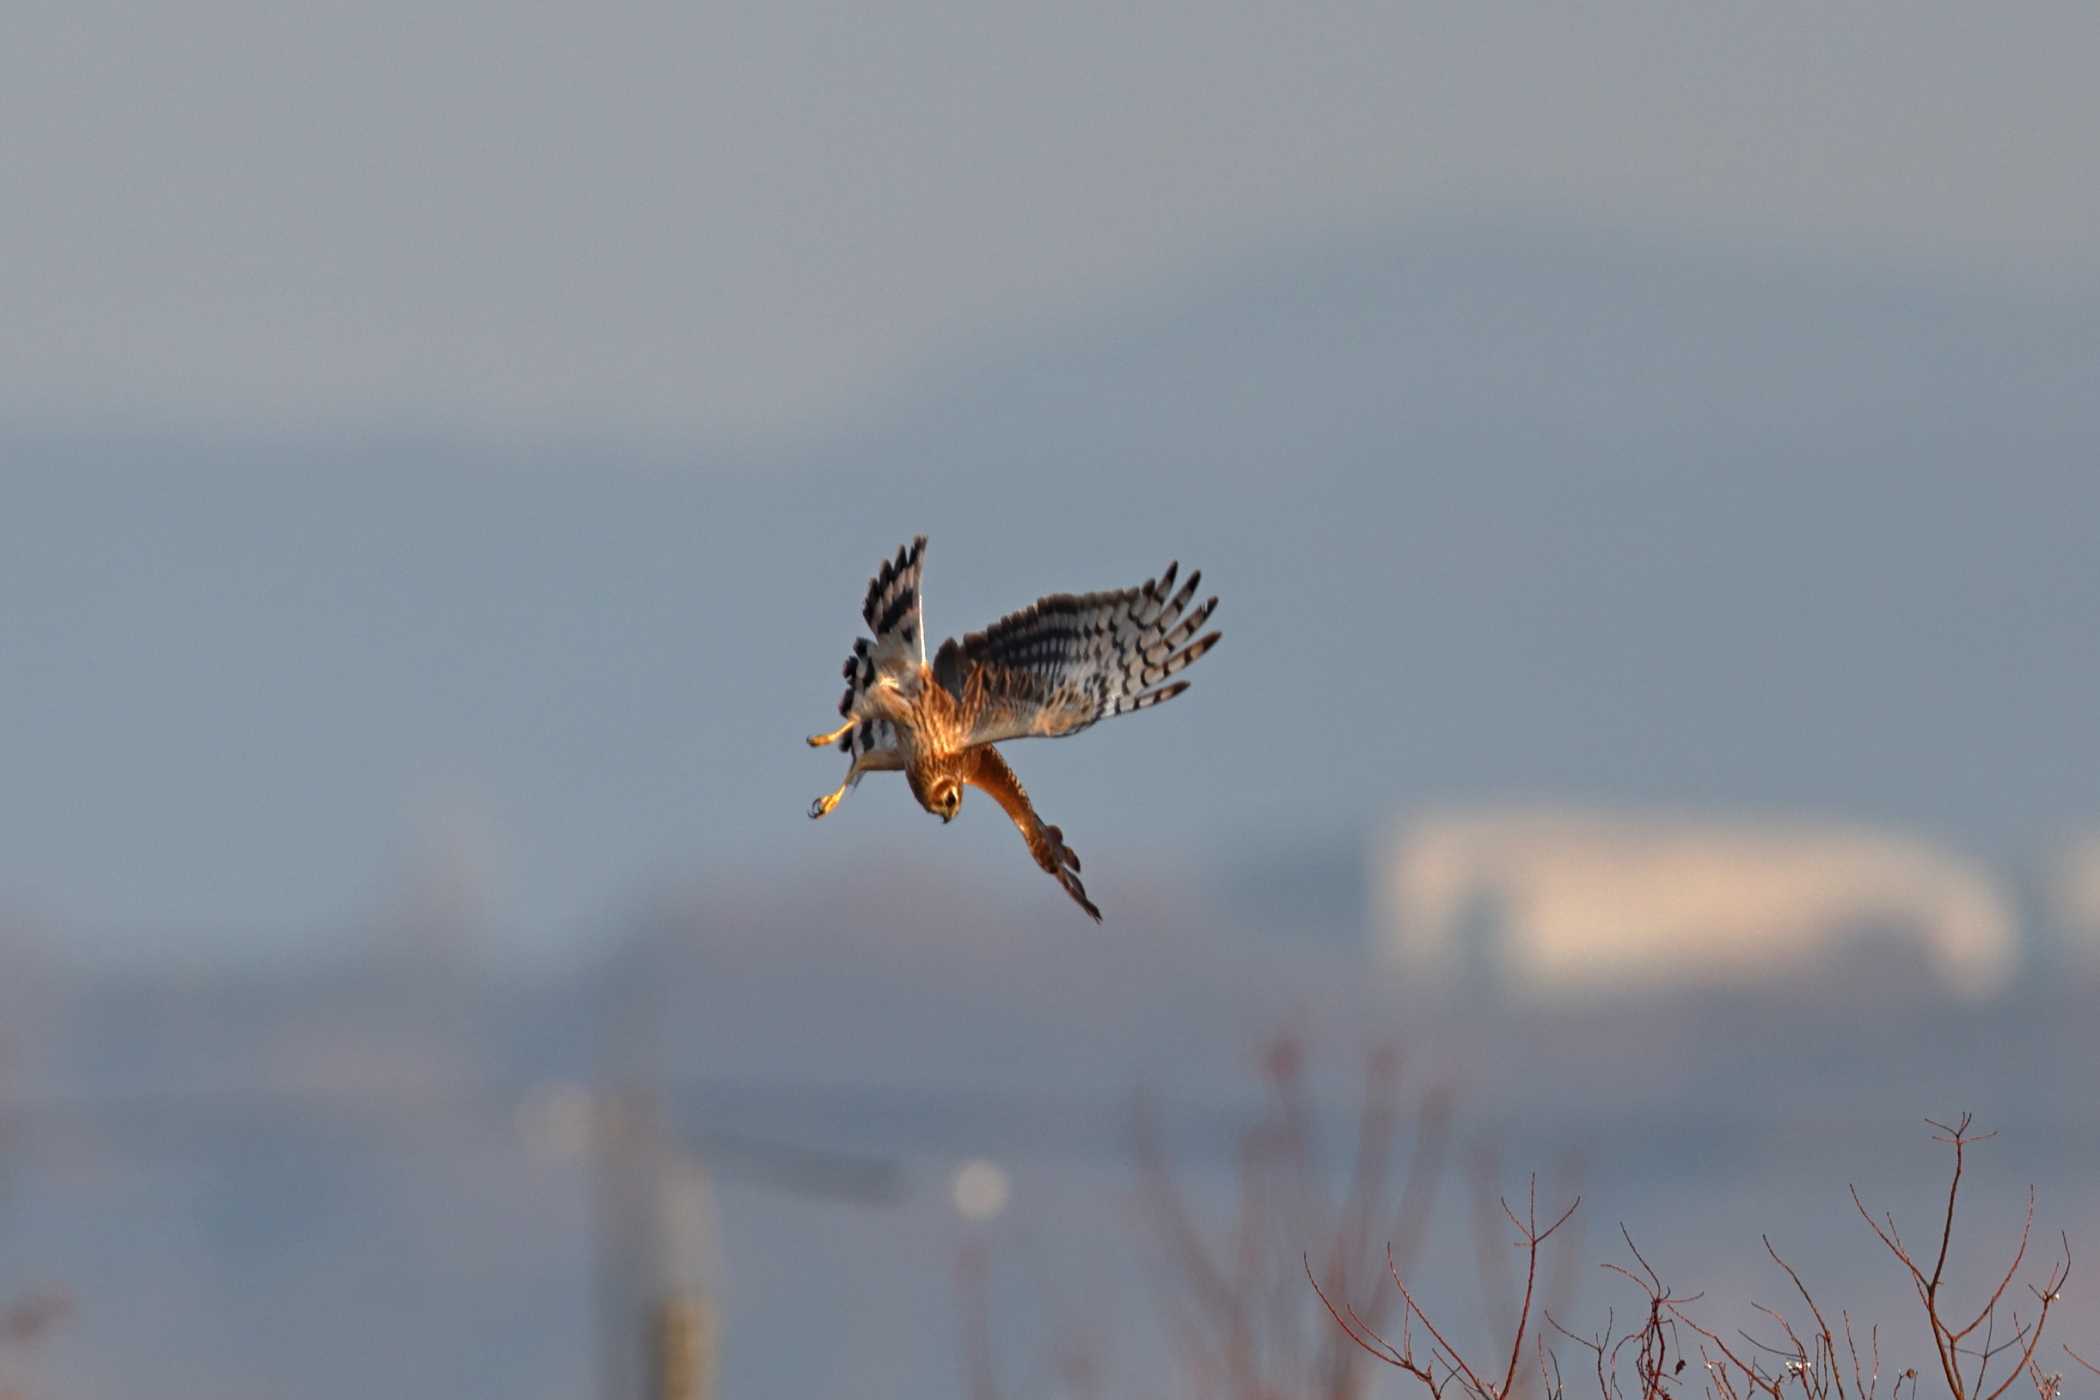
{"x": 893, "y": 614}
{"x": 1066, "y": 662}
{"x": 892, "y": 611}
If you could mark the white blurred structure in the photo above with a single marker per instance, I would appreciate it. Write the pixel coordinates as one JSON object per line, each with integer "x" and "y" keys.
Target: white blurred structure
{"x": 1544, "y": 901}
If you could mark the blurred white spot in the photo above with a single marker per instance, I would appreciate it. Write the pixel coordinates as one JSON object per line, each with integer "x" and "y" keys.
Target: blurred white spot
{"x": 981, "y": 1189}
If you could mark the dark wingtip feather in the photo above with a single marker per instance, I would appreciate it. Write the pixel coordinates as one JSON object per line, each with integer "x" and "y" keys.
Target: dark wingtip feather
{"x": 887, "y": 573}
{"x": 1196, "y": 650}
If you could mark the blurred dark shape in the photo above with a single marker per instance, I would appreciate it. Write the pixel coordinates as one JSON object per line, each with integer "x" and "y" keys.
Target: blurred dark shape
{"x": 1236, "y": 1325}
{"x": 27, "y": 1321}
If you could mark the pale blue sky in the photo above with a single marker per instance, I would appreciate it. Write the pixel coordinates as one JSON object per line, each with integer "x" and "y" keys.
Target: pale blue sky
{"x": 485, "y": 420}
{"x": 718, "y": 221}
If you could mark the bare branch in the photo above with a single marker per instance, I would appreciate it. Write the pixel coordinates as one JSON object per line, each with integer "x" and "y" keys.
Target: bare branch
{"x": 1451, "y": 1355}
{"x": 2019, "y": 1254}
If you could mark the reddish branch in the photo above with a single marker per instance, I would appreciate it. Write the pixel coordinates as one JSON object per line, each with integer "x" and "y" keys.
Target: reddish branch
{"x": 1402, "y": 1356}
{"x": 1802, "y": 1363}
{"x": 1947, "y": 1338}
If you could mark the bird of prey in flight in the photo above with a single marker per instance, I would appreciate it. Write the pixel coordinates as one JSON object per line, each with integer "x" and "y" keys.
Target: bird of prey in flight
{"x": 1051, "y": 669}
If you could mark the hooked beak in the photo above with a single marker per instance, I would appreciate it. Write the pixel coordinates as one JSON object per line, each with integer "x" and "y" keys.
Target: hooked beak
{"x": 947, "y": 817}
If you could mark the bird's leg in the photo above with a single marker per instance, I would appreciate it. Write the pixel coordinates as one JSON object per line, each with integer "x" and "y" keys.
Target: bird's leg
{"x": 820, "y": 741}
{"x": 822, "y": 806}
{"x": 1055, "y": 854}
{"x": 1045, "y": 842}
{"x": 1051, "y": 853}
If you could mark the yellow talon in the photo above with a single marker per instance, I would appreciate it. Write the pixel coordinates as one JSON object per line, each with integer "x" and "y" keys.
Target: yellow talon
{"x": 825, "y": 803}
{"x": 820, "y": 741}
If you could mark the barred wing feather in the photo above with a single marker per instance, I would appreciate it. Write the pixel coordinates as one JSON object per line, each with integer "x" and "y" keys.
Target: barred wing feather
{"x": 894, "y": 615}
{"x": 1066, "y": 662}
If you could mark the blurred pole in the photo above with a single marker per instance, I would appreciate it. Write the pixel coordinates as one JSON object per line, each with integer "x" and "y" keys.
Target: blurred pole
{"x": 654, "y": 1214}
{"x": 687, "y": 1265}
{"x": 626, "y": 1141}
{"x": 615, "y": 1217}
{"x": 684, "y": 1344}
{"x": 972, "y": 1278}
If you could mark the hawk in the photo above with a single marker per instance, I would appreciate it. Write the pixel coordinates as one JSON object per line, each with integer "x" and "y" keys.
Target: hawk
{"x": 1051, "y": 669}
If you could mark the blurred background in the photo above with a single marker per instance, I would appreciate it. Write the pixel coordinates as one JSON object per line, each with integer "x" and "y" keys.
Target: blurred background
{"x": 1649, "y": 459}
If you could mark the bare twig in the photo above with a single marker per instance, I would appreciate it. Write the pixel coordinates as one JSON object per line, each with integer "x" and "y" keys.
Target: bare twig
{"x": 1801, "y": 1362}
{"x": 1947, "y": 1338}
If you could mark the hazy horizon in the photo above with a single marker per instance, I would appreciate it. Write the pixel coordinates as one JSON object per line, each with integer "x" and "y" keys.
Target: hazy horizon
{"x": 1502, "y": 515}
{"x": 1649, "y": 454}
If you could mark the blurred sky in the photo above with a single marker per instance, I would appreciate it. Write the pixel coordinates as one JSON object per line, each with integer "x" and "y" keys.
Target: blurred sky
{"x": 482, "y": 419}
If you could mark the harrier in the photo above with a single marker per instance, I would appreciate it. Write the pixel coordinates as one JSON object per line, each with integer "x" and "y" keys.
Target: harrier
{"x": 1051, "y": 669}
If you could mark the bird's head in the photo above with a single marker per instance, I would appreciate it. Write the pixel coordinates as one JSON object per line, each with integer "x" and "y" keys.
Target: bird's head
{"x": 940, "y": 795}
{"x": 945, "y": 798}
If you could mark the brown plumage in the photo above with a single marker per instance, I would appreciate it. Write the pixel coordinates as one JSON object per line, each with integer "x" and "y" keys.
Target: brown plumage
{"x": 1051, "y": 669}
